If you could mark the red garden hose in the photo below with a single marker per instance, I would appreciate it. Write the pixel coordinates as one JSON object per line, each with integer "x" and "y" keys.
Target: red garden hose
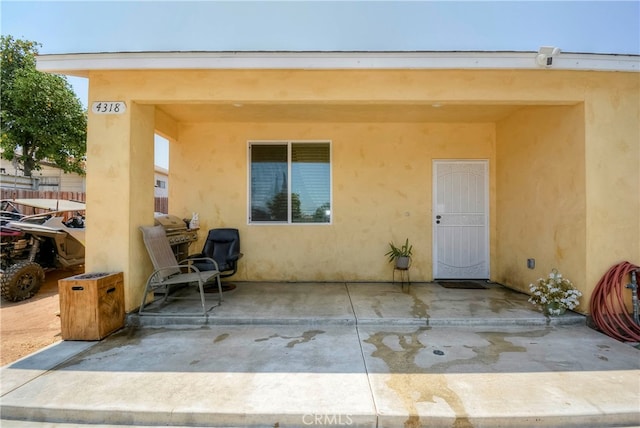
{"x": 607, "y": 305}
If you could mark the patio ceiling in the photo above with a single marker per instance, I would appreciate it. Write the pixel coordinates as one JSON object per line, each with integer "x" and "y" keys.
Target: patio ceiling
{"x": 338, "y": 112}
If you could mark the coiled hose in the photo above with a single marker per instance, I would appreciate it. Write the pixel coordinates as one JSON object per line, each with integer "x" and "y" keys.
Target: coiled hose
{"x": 607, "y": 306}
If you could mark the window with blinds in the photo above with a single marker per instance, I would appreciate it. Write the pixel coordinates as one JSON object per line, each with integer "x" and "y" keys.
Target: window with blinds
{"x": 290, "y": 182}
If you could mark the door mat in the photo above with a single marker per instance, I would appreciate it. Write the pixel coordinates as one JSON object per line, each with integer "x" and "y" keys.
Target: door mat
{"x": 462, "y": 284}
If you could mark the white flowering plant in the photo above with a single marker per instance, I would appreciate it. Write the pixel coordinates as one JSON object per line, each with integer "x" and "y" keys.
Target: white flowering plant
{"x": 554, "y": 294}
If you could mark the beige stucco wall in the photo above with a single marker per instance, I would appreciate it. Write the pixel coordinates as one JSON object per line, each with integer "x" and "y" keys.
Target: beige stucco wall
{"x": 583, "y": 125}
{"x": 568, "y": 186}
{"x": 453, "y": 87}
{"x": 541, "y": 195}
{"x": 381, "y": 192}
{"x": 120, "y": 171}
{"x": 612, "y": 165}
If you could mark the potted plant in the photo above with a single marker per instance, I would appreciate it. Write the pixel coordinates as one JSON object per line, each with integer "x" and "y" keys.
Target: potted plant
{"x": 401, "y": 255}
{"x": 554, "y": 294}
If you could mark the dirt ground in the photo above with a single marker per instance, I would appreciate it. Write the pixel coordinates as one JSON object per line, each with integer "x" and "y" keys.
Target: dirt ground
{"x": 30, "y": 325}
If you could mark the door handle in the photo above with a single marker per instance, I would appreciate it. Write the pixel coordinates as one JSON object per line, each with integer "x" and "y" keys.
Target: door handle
{"x": 438, "y": 217}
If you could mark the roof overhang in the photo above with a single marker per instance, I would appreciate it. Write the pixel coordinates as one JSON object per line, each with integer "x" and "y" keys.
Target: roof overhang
{"x": 82, "y": 64}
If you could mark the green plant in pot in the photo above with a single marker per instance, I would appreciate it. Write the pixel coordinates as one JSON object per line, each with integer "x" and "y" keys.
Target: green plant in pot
{"x": 401, "y": 255}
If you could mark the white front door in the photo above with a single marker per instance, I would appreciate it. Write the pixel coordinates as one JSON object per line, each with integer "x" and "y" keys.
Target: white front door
{"x": 460, "y": 219}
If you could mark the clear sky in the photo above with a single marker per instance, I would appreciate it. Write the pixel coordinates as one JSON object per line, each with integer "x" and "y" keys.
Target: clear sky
{"x": 118, "y": 26}
{"x": 132, "y": 26}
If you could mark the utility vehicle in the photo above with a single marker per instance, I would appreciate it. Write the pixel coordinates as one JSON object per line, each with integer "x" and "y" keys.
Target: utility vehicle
{"x": 38, "y": 235}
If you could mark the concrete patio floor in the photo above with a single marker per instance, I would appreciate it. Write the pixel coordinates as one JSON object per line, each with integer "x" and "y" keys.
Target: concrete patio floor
{"x": 349, "y": 354}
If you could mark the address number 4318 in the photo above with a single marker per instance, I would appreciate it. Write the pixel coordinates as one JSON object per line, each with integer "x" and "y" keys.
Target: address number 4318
{"x": 108, "y": 107}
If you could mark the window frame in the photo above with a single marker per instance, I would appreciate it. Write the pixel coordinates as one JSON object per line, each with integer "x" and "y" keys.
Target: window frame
{"x": 288, "y": 144}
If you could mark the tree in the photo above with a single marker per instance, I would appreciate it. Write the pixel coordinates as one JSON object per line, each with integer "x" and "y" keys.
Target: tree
{"x": 40, "y": 116}
{"x": 323, "y": 213}
{"x": 279, "y": 207}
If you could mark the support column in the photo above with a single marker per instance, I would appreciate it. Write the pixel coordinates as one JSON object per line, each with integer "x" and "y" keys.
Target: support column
{"x": 120, "y": 180}
{"x": 613, "y": 182}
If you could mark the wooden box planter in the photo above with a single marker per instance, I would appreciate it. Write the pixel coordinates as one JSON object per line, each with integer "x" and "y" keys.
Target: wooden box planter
{"x": 91, "y": 305}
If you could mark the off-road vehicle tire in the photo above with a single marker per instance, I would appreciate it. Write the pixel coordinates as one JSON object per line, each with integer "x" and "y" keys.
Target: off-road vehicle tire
{"x": 21, "y": 281}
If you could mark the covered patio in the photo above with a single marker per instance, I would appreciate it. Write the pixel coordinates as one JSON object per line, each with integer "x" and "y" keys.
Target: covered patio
{"x": 550, "y": 151}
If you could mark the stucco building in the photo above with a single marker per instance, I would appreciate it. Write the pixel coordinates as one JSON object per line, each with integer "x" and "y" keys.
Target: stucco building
{"x": 482, "y": 159}
{"x": 48, "y": 178}
{"x": 161, "y": 179}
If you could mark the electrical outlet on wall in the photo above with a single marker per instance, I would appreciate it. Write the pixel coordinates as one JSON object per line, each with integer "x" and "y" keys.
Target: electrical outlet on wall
{"x": 531, "y": 263}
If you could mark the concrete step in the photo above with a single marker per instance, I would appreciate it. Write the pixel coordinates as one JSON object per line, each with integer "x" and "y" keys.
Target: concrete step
{"x": 534, "y": 319}
{"x": 357, "y": 304}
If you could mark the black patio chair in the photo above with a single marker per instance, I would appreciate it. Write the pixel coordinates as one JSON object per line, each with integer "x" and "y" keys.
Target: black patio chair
{"x": 223, "y": 246}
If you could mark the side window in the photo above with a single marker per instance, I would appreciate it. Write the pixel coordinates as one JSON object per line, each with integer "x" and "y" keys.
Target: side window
{"x": 290, "y": 182}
